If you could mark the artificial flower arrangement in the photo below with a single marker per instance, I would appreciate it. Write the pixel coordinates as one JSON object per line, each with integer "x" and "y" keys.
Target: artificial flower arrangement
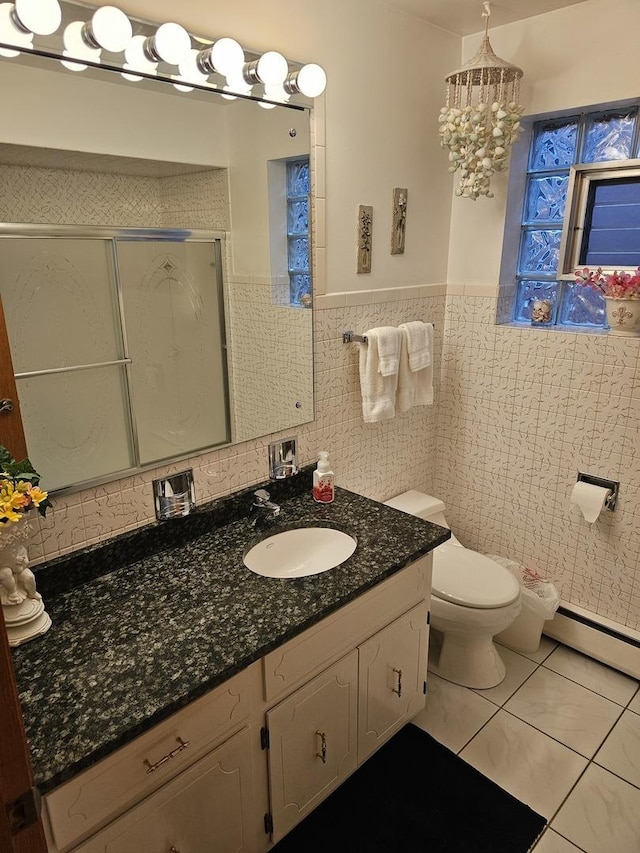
{"x": 19, "y": 489}
{"x": 615, "y": 285}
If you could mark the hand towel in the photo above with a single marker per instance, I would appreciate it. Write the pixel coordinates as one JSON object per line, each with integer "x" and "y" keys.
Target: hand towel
{"x": 388, "y": 338}
{"x": 378, "y": 391}
{"x": 418, "y": 343}
{"x": 415, "y": 387}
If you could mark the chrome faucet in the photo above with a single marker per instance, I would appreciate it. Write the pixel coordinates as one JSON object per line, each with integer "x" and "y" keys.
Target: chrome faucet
{"x": 263, "y": 507}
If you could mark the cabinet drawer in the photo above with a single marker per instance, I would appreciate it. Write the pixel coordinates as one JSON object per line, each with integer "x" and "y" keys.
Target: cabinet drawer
{"x": 202, "y": 809}
{"x": 298, "y": 660}
{"x": 123, "y": 778}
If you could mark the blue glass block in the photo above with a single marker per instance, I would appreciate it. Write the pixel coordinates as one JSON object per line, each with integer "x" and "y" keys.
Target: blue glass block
{"x": 540, "y": 251}
{"x": 299, "y": 286}
{"x": 609, "y": 138}
{"x": 528, "y": 292}
{"x": 298, "y": 178}
{"x": 582, "y": 306}
{"x": 554, "y": 146}
{"x": 299, "y": 254}
{"x": 547, "y": 198}
{"x": 298, "y": 217}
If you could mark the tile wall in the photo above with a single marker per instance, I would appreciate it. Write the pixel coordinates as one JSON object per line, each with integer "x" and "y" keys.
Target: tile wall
{"x": 521, "y": 411}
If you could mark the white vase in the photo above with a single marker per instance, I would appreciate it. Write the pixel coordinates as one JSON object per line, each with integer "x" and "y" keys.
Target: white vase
{"x": 623, "y": 316}
{"x": 22, "y": 607}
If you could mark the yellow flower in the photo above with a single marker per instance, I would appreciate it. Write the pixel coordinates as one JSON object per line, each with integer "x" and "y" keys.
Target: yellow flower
{"x": 37, "y": 495}
{"x": 12, "y": 497}
{"x": 8, "y": 513}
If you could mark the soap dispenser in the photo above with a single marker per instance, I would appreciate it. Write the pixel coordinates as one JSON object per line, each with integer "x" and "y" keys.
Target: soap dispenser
{"x": 323, "y": 480}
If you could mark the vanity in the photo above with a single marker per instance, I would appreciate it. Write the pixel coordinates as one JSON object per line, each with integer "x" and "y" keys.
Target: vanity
{"x": 180, "y": 698}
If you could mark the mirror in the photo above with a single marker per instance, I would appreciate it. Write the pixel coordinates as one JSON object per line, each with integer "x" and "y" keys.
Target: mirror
{"x": 155, "y": 247}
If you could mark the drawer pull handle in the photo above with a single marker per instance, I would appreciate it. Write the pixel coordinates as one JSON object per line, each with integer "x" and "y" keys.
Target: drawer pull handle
{"x": 398, "y": 690}
{"x": 323, "y": 746}
{"x": 182, "y": 744}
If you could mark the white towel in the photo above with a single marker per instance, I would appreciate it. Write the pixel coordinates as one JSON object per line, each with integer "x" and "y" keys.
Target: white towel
{"x": 378, "y": 391}
{"x": 419, "y": 343}
{"x": 415, "y": 387}
{"x": 388, "y": 339}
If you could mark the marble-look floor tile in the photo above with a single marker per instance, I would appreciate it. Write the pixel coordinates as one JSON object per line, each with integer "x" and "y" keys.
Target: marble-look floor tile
{"x": 452, "y": 714}
{"x": 602, "y": 814}
{"x": 564, "y": 710}
{"x": 519, "y": 669}
{"x": 620, "y": 752}
{"x": 536, "y": 769}
{"x": 551, "y": 842}
{"x": 634, "y": 705}
{"x": 590, "y": 673}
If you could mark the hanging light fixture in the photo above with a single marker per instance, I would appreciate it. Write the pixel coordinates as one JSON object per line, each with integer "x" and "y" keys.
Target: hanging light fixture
{"x": 481, "y": 117}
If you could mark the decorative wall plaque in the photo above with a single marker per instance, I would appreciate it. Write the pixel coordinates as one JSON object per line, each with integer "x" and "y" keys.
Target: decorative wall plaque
{"x": 399, "y": 220}
{"x": 365, "y": 229}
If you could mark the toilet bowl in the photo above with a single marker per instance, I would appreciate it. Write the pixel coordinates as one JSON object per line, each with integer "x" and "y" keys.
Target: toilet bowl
{"x": 473, "y": 598}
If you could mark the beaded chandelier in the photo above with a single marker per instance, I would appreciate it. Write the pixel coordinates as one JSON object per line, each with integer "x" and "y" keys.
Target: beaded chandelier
{"x": 481, "y": 117}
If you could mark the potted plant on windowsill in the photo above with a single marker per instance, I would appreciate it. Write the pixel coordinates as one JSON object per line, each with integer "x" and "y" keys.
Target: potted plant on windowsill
{"x": 621, "y": 291}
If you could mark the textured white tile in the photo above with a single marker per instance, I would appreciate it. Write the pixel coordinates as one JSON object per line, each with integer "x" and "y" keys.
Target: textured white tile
{"x": 518, "y": 670}
{"x": 536, "y": 769}
{"x": 551, "y": 842}
{"x": 452, "y": 714}
{"x": 620, "y": 753}
{"x": 596, "y": 676}
{"x": 602, "y": 814}
{"x": 564, "y": 710}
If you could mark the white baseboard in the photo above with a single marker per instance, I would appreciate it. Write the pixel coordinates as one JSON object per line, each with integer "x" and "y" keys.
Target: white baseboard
{"x": 618, "y": 647}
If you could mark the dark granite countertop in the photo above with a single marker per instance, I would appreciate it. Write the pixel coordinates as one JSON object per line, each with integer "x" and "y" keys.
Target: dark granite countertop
{"x": 150, "y": 621}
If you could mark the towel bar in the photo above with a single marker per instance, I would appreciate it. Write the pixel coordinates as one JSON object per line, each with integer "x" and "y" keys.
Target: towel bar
{"x": 350, "y": 337}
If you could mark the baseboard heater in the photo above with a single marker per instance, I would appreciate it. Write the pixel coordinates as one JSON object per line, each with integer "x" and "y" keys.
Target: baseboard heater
{"x": 600, "y": 638}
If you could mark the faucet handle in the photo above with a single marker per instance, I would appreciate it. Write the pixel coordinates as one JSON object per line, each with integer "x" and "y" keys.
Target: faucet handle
{"x": 261, "y": 497}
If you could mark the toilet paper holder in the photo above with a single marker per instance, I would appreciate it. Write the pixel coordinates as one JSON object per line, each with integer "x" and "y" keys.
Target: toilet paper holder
{"x": 612, "y": 485}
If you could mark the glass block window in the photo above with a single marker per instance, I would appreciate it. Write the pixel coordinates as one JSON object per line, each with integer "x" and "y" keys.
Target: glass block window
{"x": 556, "y": 146}
{"x": 299, "y": 255}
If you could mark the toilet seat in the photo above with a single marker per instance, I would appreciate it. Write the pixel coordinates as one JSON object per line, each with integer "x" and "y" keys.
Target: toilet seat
{"x": 469, "y": 579}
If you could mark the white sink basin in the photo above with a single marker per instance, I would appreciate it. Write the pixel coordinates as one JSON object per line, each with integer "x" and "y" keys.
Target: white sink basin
{"x": 300, "y": 552}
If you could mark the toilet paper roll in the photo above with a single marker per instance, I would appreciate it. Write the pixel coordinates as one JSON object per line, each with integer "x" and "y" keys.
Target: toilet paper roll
{"x": 590, "y": 499}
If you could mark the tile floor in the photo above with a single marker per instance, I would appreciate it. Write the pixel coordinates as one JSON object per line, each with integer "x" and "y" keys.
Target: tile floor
{"x": 562, "y": 734}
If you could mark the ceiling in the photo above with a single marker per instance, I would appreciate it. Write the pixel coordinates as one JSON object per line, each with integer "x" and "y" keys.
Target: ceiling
{"x": 465, "y": 16}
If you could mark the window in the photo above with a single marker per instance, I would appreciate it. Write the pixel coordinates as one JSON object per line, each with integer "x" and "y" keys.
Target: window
{"x": 298, "y": 192}
{"x": 581, "y": 207}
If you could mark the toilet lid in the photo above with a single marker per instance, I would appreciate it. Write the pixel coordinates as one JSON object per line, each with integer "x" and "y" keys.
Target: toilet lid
{"x": 470, "y": 579}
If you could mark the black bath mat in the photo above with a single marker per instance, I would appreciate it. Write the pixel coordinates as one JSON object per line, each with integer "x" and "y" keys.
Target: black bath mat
{"x": 415, "y": 796}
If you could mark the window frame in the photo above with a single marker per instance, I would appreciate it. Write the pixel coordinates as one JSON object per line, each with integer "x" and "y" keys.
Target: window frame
{"x": 581, "y": 177}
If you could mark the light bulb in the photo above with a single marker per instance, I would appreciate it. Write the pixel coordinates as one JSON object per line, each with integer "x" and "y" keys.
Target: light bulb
{"x": 75, "y": 46}
{"x": 236, "y": 83}
{"x": 171, "y": 43}
{"x": 226, "y": 94}
{"x": 41, "y": 17}
{"x": 10, "y": 34}
{"x": 312, "y": 80}
{"x": 276, "y": 92}
{"x": 266, "y": 106}
{"x": 227, "y": 57}
{"x": 136, "y": 60}
{"x": 272, "y": 68}
{"x": 190, "y": 70}
{"x": 109, "y": 28}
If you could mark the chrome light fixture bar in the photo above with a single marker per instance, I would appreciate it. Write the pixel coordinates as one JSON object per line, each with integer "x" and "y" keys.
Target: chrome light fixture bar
{"x": 88, "y": 31}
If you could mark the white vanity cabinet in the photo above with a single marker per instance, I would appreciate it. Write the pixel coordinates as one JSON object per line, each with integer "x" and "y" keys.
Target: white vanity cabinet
{"x": 253, "y": 757}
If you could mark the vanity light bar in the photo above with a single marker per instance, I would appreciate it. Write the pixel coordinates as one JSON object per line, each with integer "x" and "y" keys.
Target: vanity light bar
{"x": 110, "y": 29}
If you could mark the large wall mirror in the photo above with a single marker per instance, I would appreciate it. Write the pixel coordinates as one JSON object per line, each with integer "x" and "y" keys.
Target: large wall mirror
{"x": 154, "y": 247}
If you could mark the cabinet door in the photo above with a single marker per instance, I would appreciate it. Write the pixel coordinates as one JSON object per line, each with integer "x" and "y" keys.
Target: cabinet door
{"x": 203, "y": 810}
{"x": 313, "y": 743}
{"x": 392, "y": 672}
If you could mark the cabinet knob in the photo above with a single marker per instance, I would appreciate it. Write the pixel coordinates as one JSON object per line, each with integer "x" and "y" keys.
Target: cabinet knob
{"x": 174, "y": 850}
{"x": 323, "y": 746}
{"x": 398, "y": 689}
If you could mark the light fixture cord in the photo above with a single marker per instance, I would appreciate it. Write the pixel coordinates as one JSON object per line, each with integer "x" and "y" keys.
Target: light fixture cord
{"x": 486, "y": 13}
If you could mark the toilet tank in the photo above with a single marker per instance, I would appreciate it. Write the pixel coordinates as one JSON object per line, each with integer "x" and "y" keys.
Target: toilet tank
{"x": 420, "y": 505}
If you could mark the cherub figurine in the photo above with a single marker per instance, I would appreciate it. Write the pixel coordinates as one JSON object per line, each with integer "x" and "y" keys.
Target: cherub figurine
{"x": 17, "y": 581}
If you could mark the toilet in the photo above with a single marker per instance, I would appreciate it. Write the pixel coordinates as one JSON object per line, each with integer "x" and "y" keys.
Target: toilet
{"x": 473, "y": 598}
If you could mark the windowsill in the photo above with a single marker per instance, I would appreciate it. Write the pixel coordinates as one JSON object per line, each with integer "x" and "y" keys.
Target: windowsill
{"x": 578, "y": 330}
